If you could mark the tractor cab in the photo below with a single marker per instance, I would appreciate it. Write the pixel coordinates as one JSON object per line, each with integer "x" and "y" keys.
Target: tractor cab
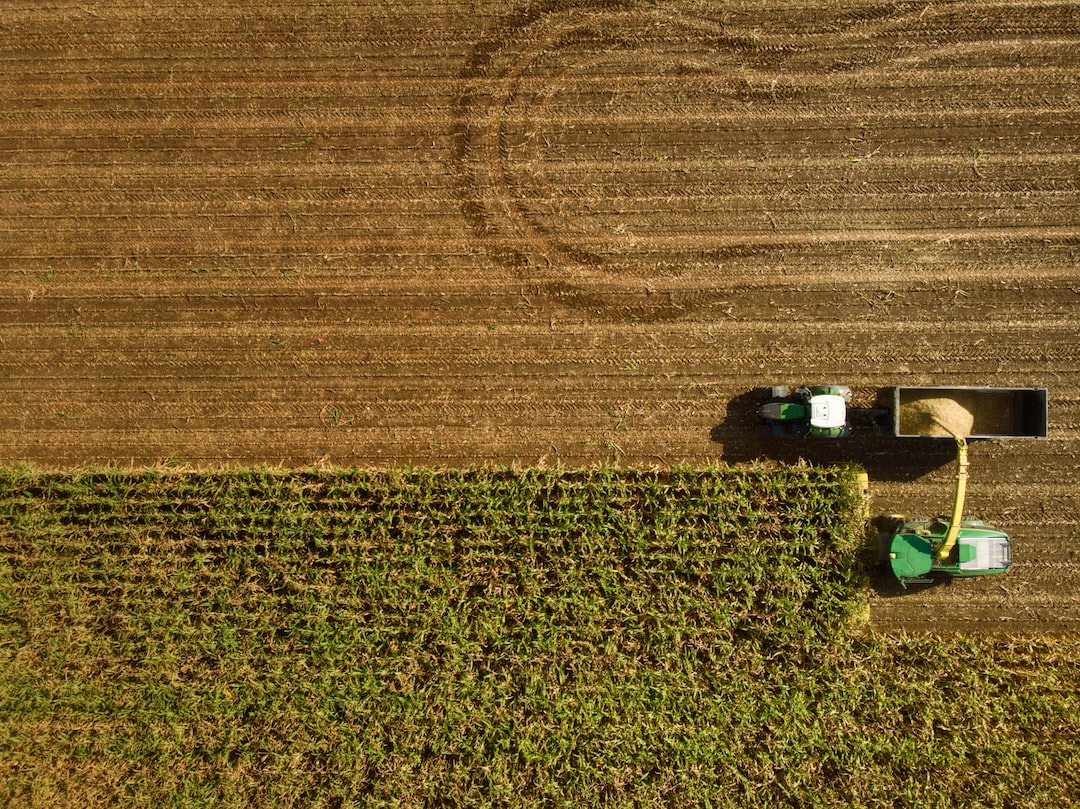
{"x": 818, "y": 411}
{"x": 828, "y": 411}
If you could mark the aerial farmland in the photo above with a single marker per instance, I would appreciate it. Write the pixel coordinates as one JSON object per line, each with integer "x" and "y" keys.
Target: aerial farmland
{"x": 556, "y": 234}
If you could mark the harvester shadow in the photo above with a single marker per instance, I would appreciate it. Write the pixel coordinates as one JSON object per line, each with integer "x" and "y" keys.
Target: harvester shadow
{"x": 744, "y": 439}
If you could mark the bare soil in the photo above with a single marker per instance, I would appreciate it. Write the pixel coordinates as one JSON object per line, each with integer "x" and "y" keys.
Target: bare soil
{"x": 554, "y": 232}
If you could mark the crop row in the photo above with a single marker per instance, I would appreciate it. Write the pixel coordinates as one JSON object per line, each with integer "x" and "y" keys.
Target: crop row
{"x": 490, "y": 636}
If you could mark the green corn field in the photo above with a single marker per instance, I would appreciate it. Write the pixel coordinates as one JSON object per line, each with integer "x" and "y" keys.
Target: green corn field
{"x": 492, "y": 637}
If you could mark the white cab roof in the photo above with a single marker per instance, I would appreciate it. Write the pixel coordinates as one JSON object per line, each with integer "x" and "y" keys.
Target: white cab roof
{"x": 828, "y": 411}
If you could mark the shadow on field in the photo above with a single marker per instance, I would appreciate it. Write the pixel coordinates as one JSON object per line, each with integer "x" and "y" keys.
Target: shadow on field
{"x": 744, "y": 438}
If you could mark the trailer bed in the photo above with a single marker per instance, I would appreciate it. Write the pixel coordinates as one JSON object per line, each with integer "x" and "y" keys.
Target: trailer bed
{"x": 995, "y": 412}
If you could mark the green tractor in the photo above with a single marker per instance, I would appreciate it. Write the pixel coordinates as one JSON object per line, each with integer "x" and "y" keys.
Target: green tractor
{"x": 819, "y": 411}
{"x": 958, "y": 548}
{"x": 920, "y": 550}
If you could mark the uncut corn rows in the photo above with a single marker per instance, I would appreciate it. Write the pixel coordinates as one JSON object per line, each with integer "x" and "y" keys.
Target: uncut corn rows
{"x": 481, "y": 631}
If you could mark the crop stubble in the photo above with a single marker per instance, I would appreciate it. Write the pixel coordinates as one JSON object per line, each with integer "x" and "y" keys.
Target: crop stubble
{"x": 568, "y": 232}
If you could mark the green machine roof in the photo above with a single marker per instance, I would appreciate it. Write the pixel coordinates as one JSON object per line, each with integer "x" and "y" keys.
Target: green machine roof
{"x": 911, "y": 555}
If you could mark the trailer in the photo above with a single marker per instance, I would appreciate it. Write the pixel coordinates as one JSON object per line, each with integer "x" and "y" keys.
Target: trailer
{"x": 918, "y": 412}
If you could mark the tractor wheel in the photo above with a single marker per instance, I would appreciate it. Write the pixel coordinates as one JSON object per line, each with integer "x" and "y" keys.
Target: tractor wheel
{"x": 777, "y": 392}
{"x": 833, "y": 390}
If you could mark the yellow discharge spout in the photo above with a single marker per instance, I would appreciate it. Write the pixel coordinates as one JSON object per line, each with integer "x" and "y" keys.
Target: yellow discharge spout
{"x": 958, "y": 499}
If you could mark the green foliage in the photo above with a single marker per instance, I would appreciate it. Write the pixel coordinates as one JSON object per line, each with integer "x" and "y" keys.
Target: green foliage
{"x": 490, "y": 637}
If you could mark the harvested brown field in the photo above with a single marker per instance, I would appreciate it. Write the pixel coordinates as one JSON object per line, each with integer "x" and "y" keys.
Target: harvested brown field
{"x": 447, "y": 233}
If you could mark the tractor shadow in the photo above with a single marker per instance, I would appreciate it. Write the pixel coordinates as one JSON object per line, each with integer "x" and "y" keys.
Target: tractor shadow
{"x": 744, "y": 439}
